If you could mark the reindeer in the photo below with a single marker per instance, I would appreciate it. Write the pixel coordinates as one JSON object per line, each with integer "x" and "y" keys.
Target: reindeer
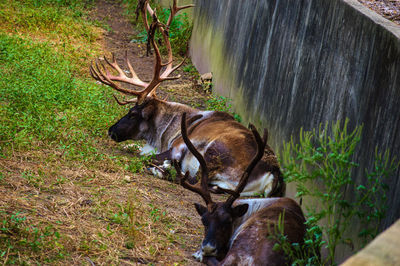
{"x": 226, "y": 144}
{"x": 236, "y": 232}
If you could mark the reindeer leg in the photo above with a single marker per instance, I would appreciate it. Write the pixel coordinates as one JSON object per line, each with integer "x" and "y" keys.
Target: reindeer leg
{"x": 160, "y": 164}
{"x": 160, "y": 158}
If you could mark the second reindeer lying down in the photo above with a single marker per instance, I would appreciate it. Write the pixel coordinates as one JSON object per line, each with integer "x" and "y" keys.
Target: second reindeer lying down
{"x": 236, "y": 232}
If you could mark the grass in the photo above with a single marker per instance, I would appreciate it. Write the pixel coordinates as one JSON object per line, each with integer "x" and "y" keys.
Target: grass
{"x": 67, "y": 194}
{"x": 62, "y": 24}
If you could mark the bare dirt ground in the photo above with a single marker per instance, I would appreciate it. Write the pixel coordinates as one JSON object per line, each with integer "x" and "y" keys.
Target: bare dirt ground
{"x": 390, "y": 9}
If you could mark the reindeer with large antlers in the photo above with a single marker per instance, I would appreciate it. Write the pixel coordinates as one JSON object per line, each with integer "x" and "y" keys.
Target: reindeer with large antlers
{"x": 226, "y": 145}
{"x": 237, "y": 231}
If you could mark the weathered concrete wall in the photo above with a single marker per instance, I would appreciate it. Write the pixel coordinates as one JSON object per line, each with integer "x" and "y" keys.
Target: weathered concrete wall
{"x": 289, "y": 64}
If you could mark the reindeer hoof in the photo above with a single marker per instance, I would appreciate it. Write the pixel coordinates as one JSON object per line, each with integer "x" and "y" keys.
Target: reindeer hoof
{"x": 156, "y": 172}
{"x": 198, "y": 255}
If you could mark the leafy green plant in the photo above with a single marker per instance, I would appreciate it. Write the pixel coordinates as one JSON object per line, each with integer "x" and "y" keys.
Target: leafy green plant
{"x": 307, "y": 253}
{"x": 220, "y": 103}
{"x": 32, "y": 179}
{"x": 119, "y": 218}
{"x": 321, "y": 165}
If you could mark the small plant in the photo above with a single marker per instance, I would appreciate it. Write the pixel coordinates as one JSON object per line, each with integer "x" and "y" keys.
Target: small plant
{"x": 191, "y": 69}
{"x": 119, "y": 218}
{"x": 220, "y": 103}
{"x": 154, "y": 213}
{"x": 307, "y": 253}
{"x": 322, "y": 164}
{"x": 33, "y": 179}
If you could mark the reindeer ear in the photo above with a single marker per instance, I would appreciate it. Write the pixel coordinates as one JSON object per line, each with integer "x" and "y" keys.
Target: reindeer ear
{"x": 240, "y": 210}
{"x": 147, "y": 112}
{"x": 200, "y": 209}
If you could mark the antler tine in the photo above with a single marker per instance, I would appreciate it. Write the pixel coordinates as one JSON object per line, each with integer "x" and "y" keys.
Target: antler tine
{"x": 128, "y": 63}
{"x": 164, "y": 30}
{"x": 114, "y": 64}
{"x": 157, "y": 77}
{"x": 202, "y": 188}
{"x": 124, "y": 102}
{"x": 94, "y": 74}
{"x": 105, "y": 78}
{"x": 183, "y": 181}
{"x": 175, "y": 9}
{"x": 260, "y": 152}
{"x": 122, "y": 77}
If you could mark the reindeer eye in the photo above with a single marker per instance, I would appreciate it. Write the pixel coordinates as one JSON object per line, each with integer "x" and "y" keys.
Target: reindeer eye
{"x": 132, "y": 114}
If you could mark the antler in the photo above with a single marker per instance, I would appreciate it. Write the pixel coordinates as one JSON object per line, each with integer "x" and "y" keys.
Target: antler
{"x": 99, "y": 72}
{"x": 260, "y": 152}
{"x": 200, "y": 188}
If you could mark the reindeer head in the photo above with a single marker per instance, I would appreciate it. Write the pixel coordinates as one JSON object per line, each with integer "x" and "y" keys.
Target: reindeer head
{"x": 218, "y": 218}
{"x": 135, "y": 123}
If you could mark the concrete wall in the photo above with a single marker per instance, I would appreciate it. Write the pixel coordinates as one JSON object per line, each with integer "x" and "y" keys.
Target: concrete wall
{"x": 289, "y": 64}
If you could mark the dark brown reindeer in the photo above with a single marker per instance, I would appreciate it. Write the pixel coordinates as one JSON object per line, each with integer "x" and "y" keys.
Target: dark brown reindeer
{"x": 227, "y": 145}
{"x": 236, "y": 232}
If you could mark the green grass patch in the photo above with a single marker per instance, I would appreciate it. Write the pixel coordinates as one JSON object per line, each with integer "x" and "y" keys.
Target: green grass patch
{"x": 63, "y": 23}
{"x": 42, "y": 100}
{"x": 220, "y": 103}
{"x": 46, "y": 16}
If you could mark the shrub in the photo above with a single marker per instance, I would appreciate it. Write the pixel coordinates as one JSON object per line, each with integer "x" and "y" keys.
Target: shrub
{"x": 321, "y": 165}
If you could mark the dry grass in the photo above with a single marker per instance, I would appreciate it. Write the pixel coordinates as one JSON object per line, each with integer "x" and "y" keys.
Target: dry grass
{"x": 101, "y": 213}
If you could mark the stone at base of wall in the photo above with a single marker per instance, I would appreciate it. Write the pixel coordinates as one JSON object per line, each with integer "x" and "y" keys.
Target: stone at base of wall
{"x": 383, "y": 250}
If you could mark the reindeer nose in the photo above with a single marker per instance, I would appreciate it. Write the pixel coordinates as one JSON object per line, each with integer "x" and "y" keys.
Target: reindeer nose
{"x": 112, "y": 134}
{"x": 209, "y": 250}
